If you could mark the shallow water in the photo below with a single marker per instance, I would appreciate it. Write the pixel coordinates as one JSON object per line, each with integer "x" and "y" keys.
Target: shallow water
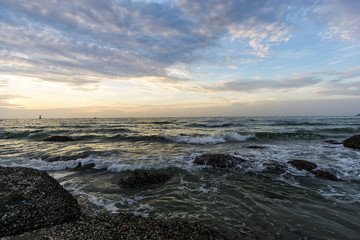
{"x": 291, "y": 205}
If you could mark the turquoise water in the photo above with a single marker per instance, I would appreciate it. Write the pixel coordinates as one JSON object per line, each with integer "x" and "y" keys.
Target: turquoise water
{"x": 290, "y": 205}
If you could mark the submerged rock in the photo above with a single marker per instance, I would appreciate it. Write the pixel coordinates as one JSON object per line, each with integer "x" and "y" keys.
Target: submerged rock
{"x": 276, "y": 168}
{"x": 334, "y": 142}
{"x": 303, "y": 165}
{"x": 309, "y": 166}
{"x": 31, "y": 199}
{"x": 59, "y": 139}
{"x": 353, "y": 142}
{"x": 256, "y": 147}
{"x": 139, "y": 178}
{"x": 84, "y": 167}
{"x": 325, "y": 174}
{"x": 126, "y": 226}
{"x": 218, "y": 160}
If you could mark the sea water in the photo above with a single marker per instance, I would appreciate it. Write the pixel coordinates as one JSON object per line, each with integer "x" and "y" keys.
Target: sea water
{"x": 289, "y": 205}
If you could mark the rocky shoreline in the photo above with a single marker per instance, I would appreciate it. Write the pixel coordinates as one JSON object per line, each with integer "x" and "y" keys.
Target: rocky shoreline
{"x": 35, "y": 206}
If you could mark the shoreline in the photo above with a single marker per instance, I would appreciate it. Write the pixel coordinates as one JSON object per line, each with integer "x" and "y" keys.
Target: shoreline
{"x": 25, "y": 189}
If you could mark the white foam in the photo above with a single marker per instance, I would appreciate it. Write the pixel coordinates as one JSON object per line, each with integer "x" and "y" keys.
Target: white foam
{"x": 209, "y": 139}
{"x": 203, "y": 189}
{"x": 38, "y": 164}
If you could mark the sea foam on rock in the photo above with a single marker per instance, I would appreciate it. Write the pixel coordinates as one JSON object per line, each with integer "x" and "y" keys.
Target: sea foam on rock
{"x": 31, "y": 199}
{"x": 139, "y": 178}
{"x": 353, "y": 142}
{"x": 218, "y": 160}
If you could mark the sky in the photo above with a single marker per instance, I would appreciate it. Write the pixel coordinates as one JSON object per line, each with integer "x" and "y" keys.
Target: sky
{"x": 179, "y": 58}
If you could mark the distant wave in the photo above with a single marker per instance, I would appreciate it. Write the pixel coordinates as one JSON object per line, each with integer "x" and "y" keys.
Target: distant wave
{"x": 208, "y": 139}
{"x": 22, "y": 134}
{"x": 288, "y": 135}
{"x": 290, "y": 123}
{"x": 213, "y": 125}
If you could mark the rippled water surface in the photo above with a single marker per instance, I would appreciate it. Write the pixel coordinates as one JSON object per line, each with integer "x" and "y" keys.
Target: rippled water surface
{"x": 289, "y": 205}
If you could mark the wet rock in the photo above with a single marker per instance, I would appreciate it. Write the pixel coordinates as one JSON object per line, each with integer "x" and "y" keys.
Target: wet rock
{"x": 275, "y": 168}
{"x": 139, "y": 178}
{"x": 31, "y": 199}
{"x": 353, "y": 142}
{"x": 334, "y": 142}
{"x": 218, "y": 160}
{"x": 256, "y": 147}
{"x": 325, "y": 174}
{"x": 126, "y": 226}
{"x": 303, "y": 165}
{"x": 84, "y": 167}
{"x": 59, "y": 139}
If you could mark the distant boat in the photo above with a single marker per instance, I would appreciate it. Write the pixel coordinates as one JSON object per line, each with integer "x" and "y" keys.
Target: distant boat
{"x": 358, "y": 115}
{"x": 39, "y": 116}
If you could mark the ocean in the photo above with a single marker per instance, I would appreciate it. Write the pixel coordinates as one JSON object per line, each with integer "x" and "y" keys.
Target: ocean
{"x": 289, "y": 205}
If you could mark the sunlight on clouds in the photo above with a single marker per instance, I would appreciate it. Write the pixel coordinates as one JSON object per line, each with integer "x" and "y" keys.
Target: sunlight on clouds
{"x": 261, "y": 37}
{"x": 153, "y": 57}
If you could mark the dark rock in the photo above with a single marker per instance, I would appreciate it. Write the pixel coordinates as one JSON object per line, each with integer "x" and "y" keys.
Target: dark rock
{"x": 218, "y": 160}
{"x": 303, "y": 165}
{"x": 333, "y": 142}
{"x": 81, "y": 167}
{"x": 59, "y": 139}
{"x": 256, "y": 147}
{"x": 126, "y": 226}
{"x": 325, "y": 174}
{"x": 353, "y": 142}
{"x": 276, "y": 168}
{"x": 139, "y": 178}
{"x": 31, "y": 199}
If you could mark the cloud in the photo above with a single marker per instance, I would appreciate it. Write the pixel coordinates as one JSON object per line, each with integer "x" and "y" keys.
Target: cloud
{"x": 341, "y": 89}
{"x": 259, "y": 24}
{"x": 83, "y": 43}
{"x": 104, "y": 38}
{"x": 341, "y": 17}
{"x": 251, "y": 85}
{"x": 5, "y": 98}
{"x": 69, "y": 41}
{"x": 339, "y": 76}
{"x": 3, "y": 83}
{"x": 345, "y": 82}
